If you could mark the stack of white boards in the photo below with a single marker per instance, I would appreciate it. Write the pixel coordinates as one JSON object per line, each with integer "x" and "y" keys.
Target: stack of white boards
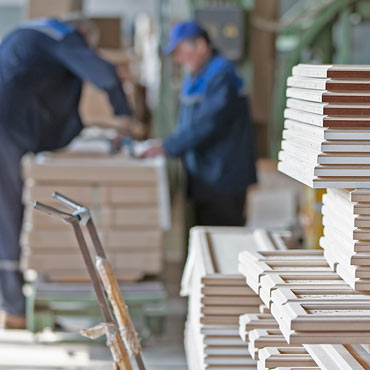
{"x": 129, "y": 203}
{"x": 268, "y": 345}
{"x": 326, "y": 137}
{"x": 218, "y": 295}
{"x": 346, "y": 240}
{"x": 311, "y": 304}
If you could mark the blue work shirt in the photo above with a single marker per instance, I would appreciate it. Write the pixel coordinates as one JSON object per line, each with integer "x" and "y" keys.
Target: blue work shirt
{"x": 42, "y": 67}
{"x": 214, "y": 133}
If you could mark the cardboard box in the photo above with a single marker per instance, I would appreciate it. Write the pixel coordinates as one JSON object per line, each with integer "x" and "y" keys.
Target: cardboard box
{"x": 52, "y": 8}
{"x": 109, "y": 32}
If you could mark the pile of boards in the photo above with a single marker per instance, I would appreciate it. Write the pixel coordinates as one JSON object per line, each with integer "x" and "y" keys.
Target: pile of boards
{"x": 319, "y": 301}
{"x": 326, "y": 137}
{"x": 218, "y": 295}
{"x": 346, "y": 240}
{"x": 313, "y": 313}
{"x": 129, "y": 202}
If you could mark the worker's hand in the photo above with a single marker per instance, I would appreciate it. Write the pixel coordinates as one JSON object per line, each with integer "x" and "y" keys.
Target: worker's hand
{"x": 155, "y": 150}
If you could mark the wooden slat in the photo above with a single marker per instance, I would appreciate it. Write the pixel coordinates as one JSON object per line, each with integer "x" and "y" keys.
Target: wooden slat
{"x": 345, "y": 357}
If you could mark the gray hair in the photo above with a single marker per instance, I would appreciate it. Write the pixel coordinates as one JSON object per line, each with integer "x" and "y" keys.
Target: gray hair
{"x": 82, "y": 23}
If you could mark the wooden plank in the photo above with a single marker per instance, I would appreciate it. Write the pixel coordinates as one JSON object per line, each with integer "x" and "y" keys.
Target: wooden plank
{"x": 257, "y": 266}
{"x": 292, "y": 254}
{"x": 228, "y": 310}
{"x": 257, "y": 321}
{"x": 326, "y": 146}
{"x": 351, "y": 273}
{"x": 293, "y": 356}
{"x": 327, "y": 121}
{"x": 315, "y": 156}
{"x": 345, "y": 357}
{"x": 342, "y": 238}
{"x": 302, "y": 295}
{"x": 248, "y": 322}
{"x": 355, "y": 97}
{"x": 350, "y": 221}
{"x": 329, "y": 84}
{"x": 357, "y": 208}
{"x": 223, "y": 280}
{"x": 225, "y": 351}
{"x": 324, "y": 182}
{"x": 230, "y": 360}
{"x": 324, "y": 133}
{"x": 242, "y": 291}
{"x": 347, "y": 257}
{"x": 219, "y": 330}
{"x": 320, "y": 336}
{"x": 345, "y": 71}
{"x": 224, "y": 342}
{"x": 322, "y": 316}
{"x": 329, "y": 108}
{"x": 276, "y": 281}
{"x": 230, "y": 300}
{"x": 266, "y": 338}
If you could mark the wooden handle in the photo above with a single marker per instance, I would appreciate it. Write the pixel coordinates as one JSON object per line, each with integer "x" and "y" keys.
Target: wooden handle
{"x": 127, "y": 330}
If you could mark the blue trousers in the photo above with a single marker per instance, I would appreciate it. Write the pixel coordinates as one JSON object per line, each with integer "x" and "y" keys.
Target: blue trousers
{"x": 11, "y": 213}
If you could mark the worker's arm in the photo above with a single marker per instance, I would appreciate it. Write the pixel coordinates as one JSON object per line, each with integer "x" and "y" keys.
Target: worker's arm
{"x": 214, "y": 117}
{"x": 81, "y": 60}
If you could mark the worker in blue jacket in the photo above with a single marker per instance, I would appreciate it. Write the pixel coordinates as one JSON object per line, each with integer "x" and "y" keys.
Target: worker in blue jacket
{"x": 42, "y": 67}
{"x": 214, "y": 133}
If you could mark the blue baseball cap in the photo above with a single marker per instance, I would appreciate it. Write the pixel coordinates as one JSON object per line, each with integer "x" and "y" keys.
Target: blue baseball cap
{"x": 180, "y": 32}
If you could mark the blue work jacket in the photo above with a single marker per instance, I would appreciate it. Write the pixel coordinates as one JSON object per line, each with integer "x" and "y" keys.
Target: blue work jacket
{"x": 214, "y": 132}
{"x": 42, "y": 66}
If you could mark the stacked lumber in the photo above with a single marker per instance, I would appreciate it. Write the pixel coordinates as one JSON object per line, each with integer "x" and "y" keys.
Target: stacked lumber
{"x": 267, "y": 344}
{"x": 265, "y": 338}
{"x": 218, "y": 295}
{"x": 346, "y": 241}
{"x": 311, "y": 306}
{"x": 315, "y": 322}
{"x": 319, "y": 301}
{"x": 128, "y": 199}
{"x": 326, "y": 137}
